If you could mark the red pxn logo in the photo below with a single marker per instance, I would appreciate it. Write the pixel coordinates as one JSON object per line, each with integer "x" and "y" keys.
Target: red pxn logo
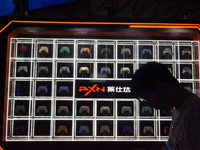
{"x": 90, "y": 89}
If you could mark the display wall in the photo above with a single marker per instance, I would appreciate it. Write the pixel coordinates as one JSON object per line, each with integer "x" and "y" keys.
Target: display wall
{"x": 78, "y": 89}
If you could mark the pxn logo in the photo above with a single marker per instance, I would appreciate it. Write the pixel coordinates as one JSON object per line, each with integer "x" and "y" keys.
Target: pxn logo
{"x": 90, "y": 89}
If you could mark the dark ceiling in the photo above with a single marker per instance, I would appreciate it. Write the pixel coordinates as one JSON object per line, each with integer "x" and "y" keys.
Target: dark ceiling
{"x": 122, "y": 10}
{"x": 147, "y": 9}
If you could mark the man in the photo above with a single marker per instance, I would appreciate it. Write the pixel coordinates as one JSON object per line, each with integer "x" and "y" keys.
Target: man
{"x": 21, "y": 5}
{"x": 154, "y": 83}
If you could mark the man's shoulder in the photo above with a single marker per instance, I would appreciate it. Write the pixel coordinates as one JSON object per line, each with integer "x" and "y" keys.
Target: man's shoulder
{"x": 193, "y": 100}
{"x": 192, "y": 105}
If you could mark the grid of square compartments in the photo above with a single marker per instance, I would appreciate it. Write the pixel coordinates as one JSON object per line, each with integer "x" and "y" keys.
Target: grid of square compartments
{"x": 41, "y": 98}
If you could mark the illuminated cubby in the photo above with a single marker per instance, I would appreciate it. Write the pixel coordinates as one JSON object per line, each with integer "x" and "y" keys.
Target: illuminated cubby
{"x": 79, "y": 89}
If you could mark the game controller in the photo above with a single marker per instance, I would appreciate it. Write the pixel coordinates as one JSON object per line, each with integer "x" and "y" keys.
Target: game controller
{"x": 22, "y": 68}
{"x": 146, "y": 109}
{"x": 187, "y": 69}
{"x": 146, "y": 51}
{"x": 148, "y": 129}
{"x": 105, "y": 108}
{"x": 166, "y": 130}
{"x": 186, "y": 50}
{"x": 188, "y": 88}
{"x": 83, "y": 129}
{"x": 64, "y": 68}
{"x": 44, "y": 48}
{"x": 43, "y": 68}
{"x": 167, "y": 51}
{"x": 41, "y": 130}
{"x": 125, "y": 69}
{"x": 85, "y": 49}
{"x": 21, "y": 89}
{"x": 20, "y": 108}
{"x": 65, "y": 48}
{"x": 84, "y": 108}
{"x": 125, "y": 50}
{"x": 63, "y": 88}
{"x": 22, "y": 48}
{"x": 127, "y": 128}
{"x": 63, "y": 108}
{"x": 170, "y": 70}
{"x": 126, "y": 109}
{"x": 105, "y": 69}
{"x": 106, "y": 51}
{"x": 105, "y": 128}
{"x": 41, "y": 108}
{"x": 86, "y": 69}
{"x": 42, "y": 88}
{"x": 62, "y": 128}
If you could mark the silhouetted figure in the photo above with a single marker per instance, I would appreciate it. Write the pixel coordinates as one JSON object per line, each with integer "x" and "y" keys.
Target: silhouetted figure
{"x": 154, "y": 83}
{"x": 21, "y": 6}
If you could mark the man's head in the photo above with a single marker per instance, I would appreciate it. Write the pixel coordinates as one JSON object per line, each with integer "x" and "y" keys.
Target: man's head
{"x": 151, "y": 82}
